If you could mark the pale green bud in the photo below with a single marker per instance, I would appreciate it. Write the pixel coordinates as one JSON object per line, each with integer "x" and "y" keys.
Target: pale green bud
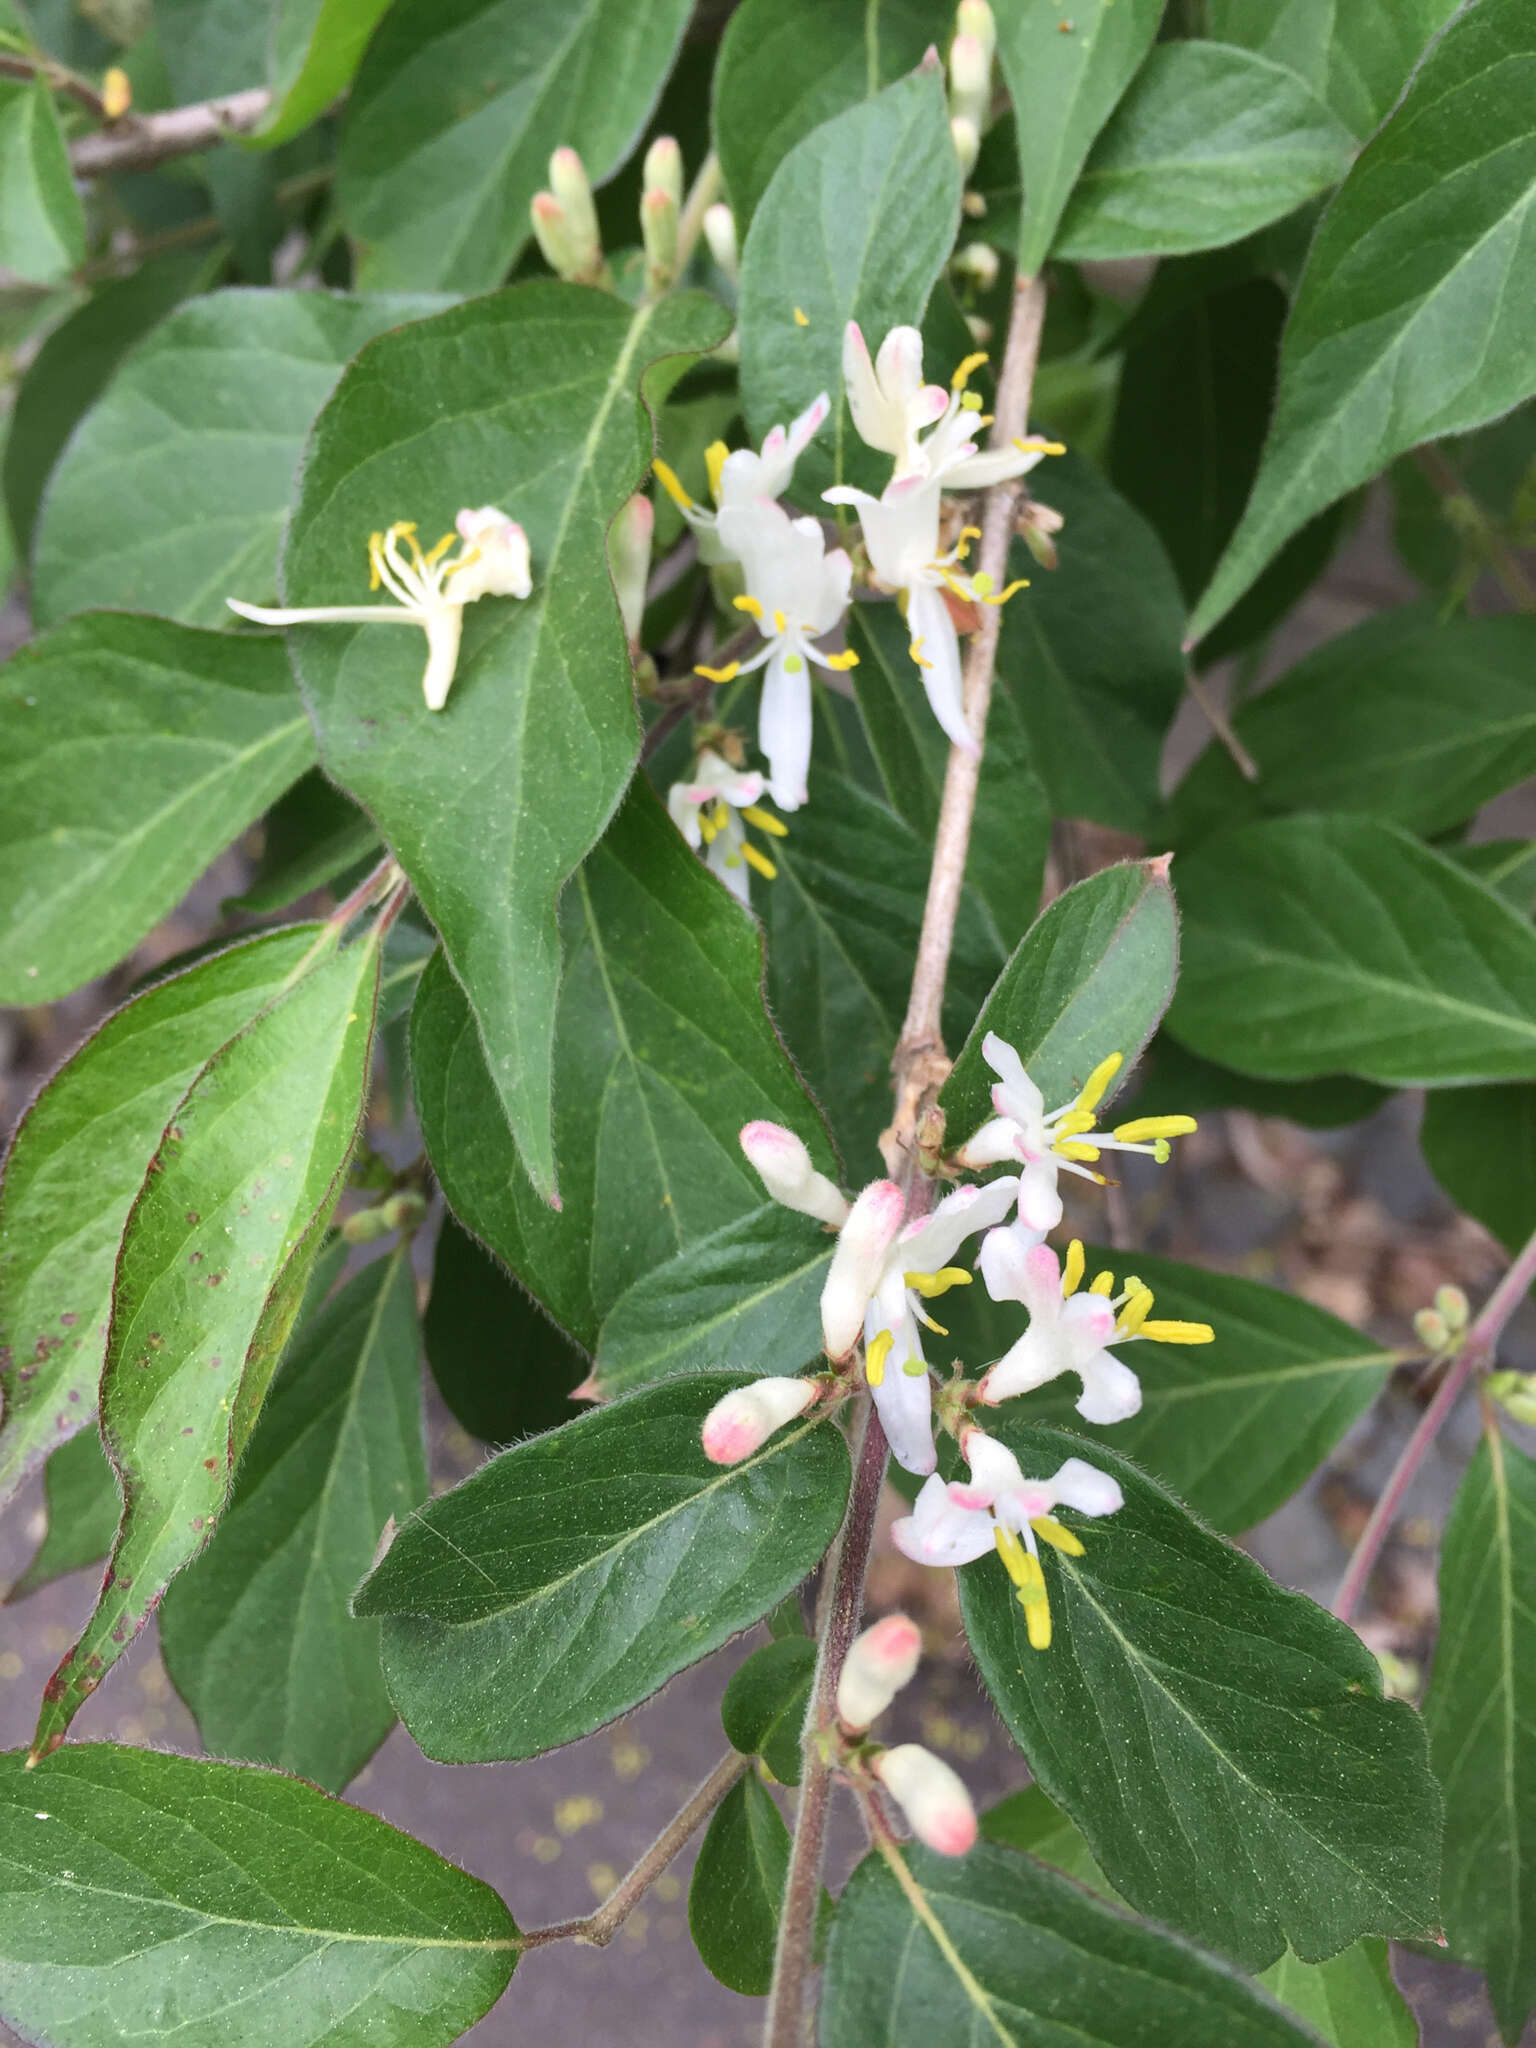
{"x": 975, "y": 18}
{"x": 664, "y": 168}
{"x": 1453, "y": 1305}
{"x": 720, "y": 234}
{"x": 568, "y": 181}
{"x": 629, "y": 561}
{"x": 658, "y": 231}
{"x": 978, "y": 263}
{"x": 1516, "y": 1392}
{"x": 1431, "y": 1330}
{"x": 967, "y": 140}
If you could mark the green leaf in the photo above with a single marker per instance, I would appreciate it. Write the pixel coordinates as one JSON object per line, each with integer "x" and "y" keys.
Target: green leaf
{"x": 454, "y": 114}
{"x": 75, "y": 1166}
{"x": 785, "y": 66}
{"x": 149, "y": 1894}
{"x": 1065, "y": 84}
{"x": 501, "y": 1365}
{"x": 256, "y": 1635}
{"x": 1417, "y": 250}
{"x": 747, "y": 1297}
{"x": 1089, "y": 654}
{"x": 1355, "y": 53}
{"x": 200, "y": 432}
{"x": 1208, "y": 145}
{"x": 1299, "y": 958}
{"x": 737, "y": 1889}
{"x": 595, "y": 1562}
{"x": 1091, "y": 976}
{"x": 82, "y": 1504}
{"x": 1406, "y": 718}
{"x": 664, "y": 1051}
{"x": 763, "y": 1709}
{"x": 214, "y": 1259}
{"x": 42, "y": 224}
{"x": 1481, "y": 1703}
{"x": 1003, "y": 1951}
{"x": 71, "y": 369}
{"x": 1480, "y": 1144}
{"x": 528, "y": 399}
{"x": 843, "y": 918}
{"x": 1507, "y": 865}
{"x": 1027, "y": 1820}
{"x": 1222, "y": 1743}
{"x": 856, "y": 224}
{"x": 311, "y": 836}
{"x": 316, "y": 46}
{"x": 132, "y": 751}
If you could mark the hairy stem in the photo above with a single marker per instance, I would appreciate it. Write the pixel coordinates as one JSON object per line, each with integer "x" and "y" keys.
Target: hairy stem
{"x": 597, "y": 1929}
{"x": 137, "y": 142}
{"x": 1478, "y": 1349}
{"x": 920, "y": 1065}
{"x": 838, "y": 1624}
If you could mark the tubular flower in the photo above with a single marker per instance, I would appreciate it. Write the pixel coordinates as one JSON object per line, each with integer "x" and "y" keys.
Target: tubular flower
{"x": 784, "y": 1167}
{"x": 741, "y": 477}
{"x": 881, "y": 1275}
{"x": 1050, "y": 1143}
{"x": 879, "y": 1663}
{"x": 932, "y": 1796}
{"x": 432, "y": 589}
{"x": 714, "y": 809}
{"x": 999, "y": 1509}
{"x": 1072, "y": 1332}
{"x": 796, "y": 590}
{"x": 742, "y": 1421}
{"x": 891, "y": 405}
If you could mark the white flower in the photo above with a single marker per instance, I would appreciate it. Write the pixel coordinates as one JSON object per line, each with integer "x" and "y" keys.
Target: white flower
{"x": 881, "y": 1274}
{"x": 932, "y": 1796}
{"x": 742, "y": 1421}
{"x": 891, "y": 405}
{"x": 785, "y": 1169}
{"x": 879, "y": 1663}
{"x": 737, "y": 478}
{"x": 1072, "y": 1332}
{"x": 713, "y": 810}
{"x": 998, "y": 1508}
{"x": 432, "y": 588}
{"x": 796, "y": 590}
{"x": 1049, "y": 1143}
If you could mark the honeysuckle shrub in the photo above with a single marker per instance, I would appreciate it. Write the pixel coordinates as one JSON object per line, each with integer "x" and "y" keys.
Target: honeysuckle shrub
{"x": 816, "y": 447}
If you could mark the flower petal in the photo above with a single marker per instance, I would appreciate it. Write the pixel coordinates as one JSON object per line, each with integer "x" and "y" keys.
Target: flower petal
{"x": 863, "y": 1251}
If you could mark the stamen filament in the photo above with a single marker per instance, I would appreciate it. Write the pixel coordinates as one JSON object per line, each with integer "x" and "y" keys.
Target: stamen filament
{"x": 670, "y": 482}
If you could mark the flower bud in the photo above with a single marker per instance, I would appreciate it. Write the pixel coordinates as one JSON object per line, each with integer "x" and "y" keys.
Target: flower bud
{"x": 970, "y": 82}
{"x": 863, "y": 1248}
{"x": 879, "y": 1663}
{"x": 974, "y": 18}
{"x": 720, "y": 233}
{"x": 937, "y": 1806}
{"x": 977, "y": 263}
{"x": 552, "y": 233}
{"x": 967, "y": 140}
{"x": 365, "y": 1226}
{"x": 742, "y": 1421}
{"x": 568, "y": 182}
{"x": 1516, "y": 1392}
{"x": 406, "y": 1210}
{"x": 1430, "y": 1329}
{"x": 116, "y": 93}
{"x": 784, "y": 1167}
{"x": 1454, "y": 1306}
{"x": 664, "y": 169}
{"x": 629, "y": 561}
{"x": 658, "y": 231}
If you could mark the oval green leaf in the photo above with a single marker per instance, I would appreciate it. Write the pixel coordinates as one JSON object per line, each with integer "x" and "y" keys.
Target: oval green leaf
{"x": 763, "y": 1708}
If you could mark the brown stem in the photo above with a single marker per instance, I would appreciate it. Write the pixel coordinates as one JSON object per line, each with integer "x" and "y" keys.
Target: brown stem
{"x": 57, "y": 76}
{"x": 384, "y": 877}
{"x": 1500, "y": 556}
{"x": 838, "y": 1625}
{"x": 137, "y": 142}
{"x": 1219, "y": 723}
{"x": 920, "y": 1065}
{"x": 1481, "y": 1342}
{"x": 597, "y": 1929}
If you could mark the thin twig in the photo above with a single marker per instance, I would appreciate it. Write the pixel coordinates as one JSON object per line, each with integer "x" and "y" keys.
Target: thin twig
{"x": 920, "y": 1065}
{"x": 843, "y": 1609}
{"x": 707, "y": 187}
{"x": 1220, "y": 724}
{"x": 375, "y": 883}
{"x": 57, "y": 76}
{"x": 597, "y": 1929}
{"x": 1481, "y": 1342}
{"x": 139, "y": 141}
{"x": 1475, "y": 520}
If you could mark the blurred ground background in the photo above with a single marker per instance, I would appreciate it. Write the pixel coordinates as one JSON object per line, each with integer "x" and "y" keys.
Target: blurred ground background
{"x": 1350, "y": 1219}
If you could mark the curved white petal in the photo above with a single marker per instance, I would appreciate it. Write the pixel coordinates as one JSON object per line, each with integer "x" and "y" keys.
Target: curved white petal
{"x": 904, "y": 1403}
{"x": 1025, "y": 1103}
{"x": 858, "y": 1264}
{"x": 989, "y": 466}
{"x": 784, "y": 731}
{"x": 1084, "y": 1487}
{"x": 1111, "y": 1391}
{"x": 933, "y": 633}
{"x": 964, "y": 1211}
{"x": 1039, "y": 1202}
{"x": 937, "y": 1532}
{"x": 996, "y": 1141}
{"x": 329, "y": 615}
{"x": 1035, "y": 1359}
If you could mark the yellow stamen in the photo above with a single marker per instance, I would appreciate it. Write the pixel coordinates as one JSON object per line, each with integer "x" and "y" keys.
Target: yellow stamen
{"x": 802, "y": 319}
{"x": 709, "y": 824}
{"x": 1103, "y": 1283}
{"x": 470, "y": 554}
{"x": 1027, "y": 1574}
{"x": 928, "y": 1285}
{"x": 779, "y": 624}
{"x": 875, "y": 1355}
{"x": 714, "y": 462}
{"x": 1135, "y": 1313}
{"x": 1011, "y": 1550}
{"x": 1075, "y": 1122}
{"x": 916, "y": 652}
{"x": 1142, "y": 1127}
{"x": 1072, "y": 1272}
{"x": 375, "y": 550}
{"x": 981, "y": 583}
{"x": 1074, "y": 1148}
{"x": 846, "y": 660}
{"x": 765, "y": 821}
{"x": 750, "y": 605}
{"x": 927, "y": 1321}
{"x": 1179, "y": 1333}
{"x": 718, "y": 675}
{"x": 1060, "y": 1538}
{"x": 668, "y": 478}
{"x": 1002, "y": 597}
{"x": 1037, "y": 1620}
{"x": 1093, "y": 1091}
{"x": 767, "y": 870}
{"x": 435, "y": 554}
{"x": 962, "y": 376}
{"x": 1033, "y": 444}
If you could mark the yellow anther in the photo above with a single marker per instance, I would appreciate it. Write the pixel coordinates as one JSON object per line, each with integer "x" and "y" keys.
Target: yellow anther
{"x": 435, "y": 554}
{"x": 916, "y": 652}
{"x": 875, "y": 1355}
{"x": 1142, "y": 1127}
{"x": 727, "y": 674}
{"x": 928, "y": 1285}
{"x": 963, "y": 374}
{"x": 1075, "y": 1122}
{"x": 846, "y": 660}
{"x": 1072, "y": 1272}
{"x": 1179, "y": 1333}
{"x": 780, "y": 624}
{"x": 1075, "y": 1148}
{"x": 1029, "y": 1577}
{"x": 764, "y": 866}
{"x": 1016, "y": 1559}
{"x": 970, "y": 533}
{"x": 750, "y": 605}
{"x": 1103, "y": 1283}
{"x": 802, "y": 319}
{"x": 1093, "y": 1090}
{"x": 470, "y": 554}
{"x": 1002, "y": 596}
{"x": 1053, "y": 1532}
{"x": 668, "y": 478}
{"x": 1033, "y": 444}
{"x": 1135, "y": 1313}
{"x": 714, "y": 462}
{"x": 709, "y": 824}
{"x": 765, "y": 821}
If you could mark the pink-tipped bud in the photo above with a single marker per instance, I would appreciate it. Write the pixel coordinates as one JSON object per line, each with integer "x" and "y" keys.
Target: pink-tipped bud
{"x": 974, "y": 18}
{"x": 863, "y": 1252}
{"x": 658, "y": 232}
{"x": 551, "y": 233}
{"x": 784, "y": 1167}
{"x": 937, "y": 1806}
{"x": 664, "y": 168}
{"x": 720, "y": 234}
{"x": 879, "y": 1664}
{"x": 742, "y": 1421}
{"x": 569, "y": 183}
